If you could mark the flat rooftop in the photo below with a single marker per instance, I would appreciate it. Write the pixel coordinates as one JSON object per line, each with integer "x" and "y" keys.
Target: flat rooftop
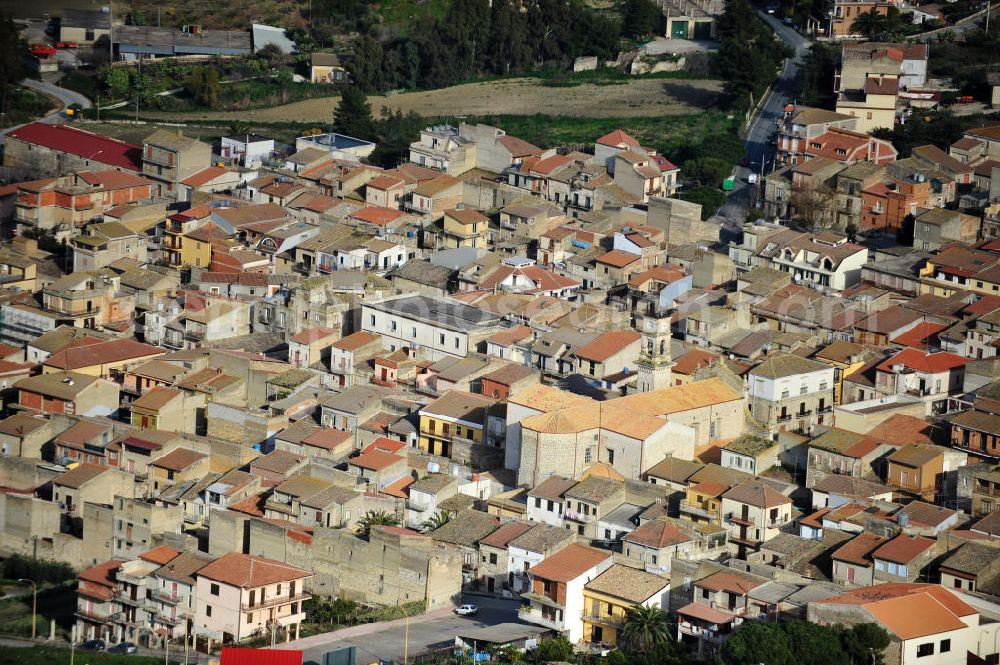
{"x": 445, "y": 313}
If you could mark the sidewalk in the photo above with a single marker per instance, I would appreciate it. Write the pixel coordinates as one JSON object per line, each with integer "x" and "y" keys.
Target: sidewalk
{"x": 361, "y": 629}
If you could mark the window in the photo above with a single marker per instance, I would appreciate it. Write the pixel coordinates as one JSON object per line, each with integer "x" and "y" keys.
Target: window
{"x": 588, "y": 455}
{"x": 456, "y": 342}
{"x": 945, "y": 646}
{"x": 208, "y": 610}
{"x": 705, "y": 594}
{"x": 371, "y": 320}
{"x": 493, "y": 558}
{"x": 441, "y": 338}
{"x": 611, "y": 456}
{"x": 538, "y": 502}
{"x": 925, "y": 649}
{"x": 392, "y": 326}
{"x": 879, "y": 565}
{"x": 214, "y": 589}
{"x": 249, "y": 617}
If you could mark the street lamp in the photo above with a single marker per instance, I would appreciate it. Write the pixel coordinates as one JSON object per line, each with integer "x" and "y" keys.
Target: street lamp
{"x": 34, "y": 604}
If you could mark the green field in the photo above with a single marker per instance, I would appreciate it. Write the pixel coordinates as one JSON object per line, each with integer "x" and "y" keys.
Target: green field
{"x": 52, "y": 656}
{"x": 665, "y": 133}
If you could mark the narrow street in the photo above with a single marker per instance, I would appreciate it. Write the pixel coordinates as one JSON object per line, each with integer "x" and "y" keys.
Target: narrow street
{"x": 758, "y": 134}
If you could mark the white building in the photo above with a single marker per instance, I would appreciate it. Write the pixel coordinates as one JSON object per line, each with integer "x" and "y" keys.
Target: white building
{"x": 248, "y": 150}
{"x": 439, "y": 327}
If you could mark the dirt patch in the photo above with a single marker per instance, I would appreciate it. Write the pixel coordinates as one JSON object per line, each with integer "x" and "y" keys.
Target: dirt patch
{"x": 521, "y": 96}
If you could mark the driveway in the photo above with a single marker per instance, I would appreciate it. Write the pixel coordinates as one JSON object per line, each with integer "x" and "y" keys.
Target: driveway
{"x": 388, "y": 640}
{"x": 758, "y": 135}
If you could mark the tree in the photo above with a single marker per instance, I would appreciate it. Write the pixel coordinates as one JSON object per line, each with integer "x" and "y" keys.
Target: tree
{"x": 366, "y": 65}
{"x": 644, "y": 629}
{"x": 759, "y": 643}
{"x": 814, "y": 206}
{"x": 871, "y": 24}
{"x": 709, "y": 198}
{"x": 436, "y": 521}
{"x": 865, "y": 642}
{"x": 904, "y": 235}
{"x": 556, "y": 649}
{"x": 813, "y": 639}
{"x": 376, "y": 518}
{"x": 11, "y": 69}
{"x": 116, "y": 82}
{"x": 353, "y": 116}
{"x": 640, "y": 18}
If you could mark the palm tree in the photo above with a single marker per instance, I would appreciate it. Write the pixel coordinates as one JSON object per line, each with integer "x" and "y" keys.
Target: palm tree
{"x": 644, "y": 629}
{"x": 376, "y": 518}
{"x": 870, "y": 24}
{"x": 437, "y": 520}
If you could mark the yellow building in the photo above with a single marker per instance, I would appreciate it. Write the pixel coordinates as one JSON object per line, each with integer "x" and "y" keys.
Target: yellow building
{"x": 608, "y": 597}
{"x": 703, "y": 502}
{"x": 454, "y": 415}
{"x": 177, "y": 466}
{"x": 845, "y": 358}
{"x": 465, "y": 227}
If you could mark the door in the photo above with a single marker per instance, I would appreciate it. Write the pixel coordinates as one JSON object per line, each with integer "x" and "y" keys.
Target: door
{"x": 679, "y": 29}
{"x": 703, "y": 30}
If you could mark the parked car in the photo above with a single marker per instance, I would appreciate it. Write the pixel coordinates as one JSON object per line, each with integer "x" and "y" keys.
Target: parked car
{"x": 93, "y": 645}
{"x": 466, "y": 610}
{"x": 123, "y": 647}
{"x": 42, "y": 50}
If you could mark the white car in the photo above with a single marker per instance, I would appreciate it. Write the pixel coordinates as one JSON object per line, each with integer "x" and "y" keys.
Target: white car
{"x": 752, "y": 178}
{"x": 466, "y": 610}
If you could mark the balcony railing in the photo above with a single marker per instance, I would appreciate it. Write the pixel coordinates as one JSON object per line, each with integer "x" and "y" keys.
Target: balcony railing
{"x": 165, "y": 597}
{"x": 733, "y": 518}
{"x": 95, "y": 615}
{"x": 697, "y": 509}
{"x": 607, "y": 620}
{"x": 803, "y": 413}
{"x": 535, "y": 617}
{"x": 699, "y": 632}
{"x": 578, "y": 517}
{"x": 274, "y": 601}
{"x": 785, "y": 418}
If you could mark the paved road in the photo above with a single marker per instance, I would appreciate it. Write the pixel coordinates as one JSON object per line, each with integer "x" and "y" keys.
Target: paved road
{"x": 758, "y": 135}
{"x": 426, "y": 636}
{"x": 176, "y": 654}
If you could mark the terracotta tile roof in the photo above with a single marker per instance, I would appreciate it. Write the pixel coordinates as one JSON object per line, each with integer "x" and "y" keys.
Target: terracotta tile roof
{"x": 663, "y": 274}
{"x": 252, "y": 505}
{"x": 506, "y": 533}
{"x": 518, "y": 147}
{"x": 922, "y": 514}
{"x": 103, "y": 574}
{"x": 250, "y": 571}
{"x": 920, "y": 336}
{"x": 903, "y": 548}
{"x": 676, "y": 399}
{"x": 608, "y": 345}
{"x": 79, "y": 476}
{"x": 376, "y": 460}
{"x": 706, "y": 613}
{"x": 111, "y": 351}
{"x": 616, "y": 138}
{"x": 898, "y": 430}
{"x": 21, "y": 423}
{"x": 312, "y": 335}
{"x": 156, "y": 398}
{"x": 909, "y": 610}
{"x": 552, "y": 488}
{"x": 547, "y": 398}
{"x": 617, "y": 258}
{"x": 729, "y": 581}
{"x": 756, "y": 493}
{"x": 568, "y": 563}
{"x": 204, "y": 176}
{"x": 924, "y": 362}
{"x": 467, "y": 216}
{"x": 858, "y": 550}
{"x": 631, "y": 584}
{"x": 356, "y": 340}
{"x": 657, "y": 534}
{"x": 711, "y": 488}
{"x": 377, "y": 216}
{"x": 384, "y": 182}
{"x": 385, "y": 445}
{"x": 674, "y": 469}
{"x": 695, "y": 359}
{"x": 160, "y": 555}
{"x": 916, "y": 455}
{"x": 399, "y": 488}
{"x": 178, "y": 459}
{"x": 511, "y": 336}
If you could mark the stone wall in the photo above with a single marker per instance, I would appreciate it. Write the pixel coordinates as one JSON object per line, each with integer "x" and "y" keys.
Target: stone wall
{"x": 681, "y": 221}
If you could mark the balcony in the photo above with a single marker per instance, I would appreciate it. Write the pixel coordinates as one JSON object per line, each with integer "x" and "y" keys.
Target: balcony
{"x": 275, "y": 601}
{"x": 127, "y": 599}
{"x": 280, "y": 507}
{"x": 162, "y": 596}
{"x": 824, "y": 409}
{"x": 534, "y": 616}
{"x": 733, "y": 518}
{"x": 574, "y": 516}
{"x": 604, "y": 619}
{"x": 166, "y": 620}
{"x": 749, "y": 542}
{"x": 784, "y": 419}
{"x": 95, "y": 616}
{"x": 697, "y": 509}
{"x": 194, "y": 335}
{"x": 709, "y": 634}
{"x": 803, "y": 413}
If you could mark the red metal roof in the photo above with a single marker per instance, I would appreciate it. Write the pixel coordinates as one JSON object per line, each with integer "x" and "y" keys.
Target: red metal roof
{"x": 237, "y": 656}
{"x": 87, "y": 145}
